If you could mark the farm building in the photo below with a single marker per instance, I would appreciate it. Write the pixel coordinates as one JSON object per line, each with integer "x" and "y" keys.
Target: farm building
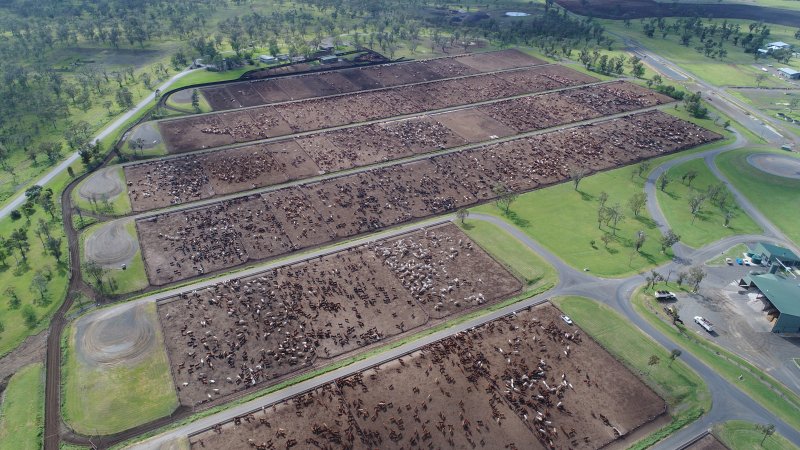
{"x": 781, "y": 298}
{"x": 789, "y": 73}
{"x": 773, "y": 254}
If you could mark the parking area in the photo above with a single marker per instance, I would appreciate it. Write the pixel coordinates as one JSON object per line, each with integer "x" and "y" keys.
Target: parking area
{"x": 739, "y": 324}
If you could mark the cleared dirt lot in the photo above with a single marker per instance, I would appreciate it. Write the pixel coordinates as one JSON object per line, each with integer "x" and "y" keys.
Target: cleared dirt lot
{"x": 187, "y": 243}
{"x": 247, "y": 332}
{"x": 523, "y": 381}
{"x": 211, "y": 130}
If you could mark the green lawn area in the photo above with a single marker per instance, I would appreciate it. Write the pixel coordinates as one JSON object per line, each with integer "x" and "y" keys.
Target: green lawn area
{"x": 133, "y": 278}
{"x": 187, "y": 107}
{"x": 740, "y": 435}
{"x": 736, "y": 69}
{"x": 565, "y": 221}
{"x": 118, "y": 205}
{"x": 517, "y": 257}
{"x": 709, "y": 224}
{"x": 22, "y": 410}
{"x": 758, "y": 385}
{"x": 114, "y": 398}
{"x": 732, "y": 253}
{"x": 776, "y": 197}
{"x": 772, "y": 102}
{"x": 684, "y": 391}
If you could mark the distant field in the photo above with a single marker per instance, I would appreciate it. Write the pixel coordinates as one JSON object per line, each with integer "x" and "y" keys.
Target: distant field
{"x": 21, "y": 420}
{"x": 741, "y": 435}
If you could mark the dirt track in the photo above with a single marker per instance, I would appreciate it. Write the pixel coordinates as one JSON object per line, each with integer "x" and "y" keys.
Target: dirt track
{"x": 780, "y": 165}
{"x": 116, "y": 336}
{"x": 111, "y": 245}
{"x": 101, "y": 185}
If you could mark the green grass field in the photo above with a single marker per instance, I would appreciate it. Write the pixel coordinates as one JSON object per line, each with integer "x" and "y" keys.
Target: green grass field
{"x": 117, "y": 397}
{"x": 519, "y": 259}
{"x": 776, "y": 197}
{"x": 684, "y": 391}
{"x": 133, "y": 278}
{"x": 708, "y": 225}
{"x": 117, "y": 205}
{"x": 22, "y": 410}
{"x": 740, "y": 435}
{"x": 736, "y": 69}
{"x": 733, "y": 253}
{"x": 758, "y": 385}
{"x": 772, "y": 102}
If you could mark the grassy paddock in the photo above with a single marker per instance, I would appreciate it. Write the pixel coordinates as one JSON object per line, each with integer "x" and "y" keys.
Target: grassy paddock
{"x": 117, "y": 205}
{"x": 732, "y": 253}
{"x": 708, "y": 226}
{"x": 22, "y": 410}
{"x": 684, "y": 391}
{"x": 741, "y": 435}
{"x": 115, "y": 398}
{"x": 776, "y": 197}
{"x": 761, "y": 387}
{"x": 133, "y": 278}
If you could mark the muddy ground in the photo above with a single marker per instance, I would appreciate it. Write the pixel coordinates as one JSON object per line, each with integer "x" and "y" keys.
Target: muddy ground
{"x": 523, "y": 381}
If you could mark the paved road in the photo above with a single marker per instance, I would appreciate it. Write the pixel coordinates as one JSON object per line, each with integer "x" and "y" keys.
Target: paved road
{"x": 71, "y": 159}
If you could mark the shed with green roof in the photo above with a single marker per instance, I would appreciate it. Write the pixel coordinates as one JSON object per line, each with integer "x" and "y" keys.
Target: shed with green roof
{"x": 783, "y": 294}
{"x": 774, "y": 253}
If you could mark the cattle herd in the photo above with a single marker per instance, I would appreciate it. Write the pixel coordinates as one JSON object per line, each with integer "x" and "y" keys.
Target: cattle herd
{"x": 249, "y": 331}
{"x": 524, "y": 381}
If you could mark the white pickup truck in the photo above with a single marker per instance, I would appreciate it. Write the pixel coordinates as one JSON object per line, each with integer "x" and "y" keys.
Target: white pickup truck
{"x": 665, "y": 295}
{"x": 708, "y": 326}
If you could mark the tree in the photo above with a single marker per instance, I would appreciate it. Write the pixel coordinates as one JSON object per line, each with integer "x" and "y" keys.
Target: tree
{"x": 767, "y": 430}
{"x": 602, "y": 198}
{"x": 695, "y": 204}
{"x": 615, "y": 215}
{"x": 462, "y": 215}
{"x": 695, "y": 277}
{"x": 637, "y": 202}
{"x": 639, "y": 242}
{"x": 664, "y": 181}
{"x": 668, "y": 240}
{"x": 13, "y": 299}
{"x": 15, "y": 215}
{"x": 727, "y": 214}
{"x": 19, "y": 239}
{"x": 504, "y": 197}
{"x": 47, "y": 203}
{"x": 673, "y": 355}
{"x": 53, "y": 246}
{"x": 39, "y": 285}
{"x": 29, "y": 316}
{"x": 688, "y": 177}
{"x": 95, "y": 271}
{"x": 196, "y": 100}
{"x": 653, "y": 361}
{"x": 576, "y": 174}
{"x": 760, "y": 78}
{"x": 602, "y": 216}
{"x": 606, "y": 238}
{"x": 124, "y": 98}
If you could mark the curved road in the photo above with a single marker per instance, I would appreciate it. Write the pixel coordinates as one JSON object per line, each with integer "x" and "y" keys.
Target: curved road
{"x": 728, "y": 401}
{"x": 20, "y": 198}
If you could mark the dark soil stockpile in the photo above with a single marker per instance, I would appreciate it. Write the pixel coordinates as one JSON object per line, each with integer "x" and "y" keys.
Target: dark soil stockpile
{"x": 247, "y": 332}
{"x": 634, "y": 9}
{"x": 183, "y": 244}
{"x": 523, "y": 381}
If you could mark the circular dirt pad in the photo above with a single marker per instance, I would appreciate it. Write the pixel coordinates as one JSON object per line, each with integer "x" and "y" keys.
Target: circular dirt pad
{"x": 147, "y": 133}
{"x": 182, "y": 96}
{"x": 116, "y": 336}
{"x": 111, "y": 245}
{"x": 780, "y": 165}
{"x": 103, "y": 184}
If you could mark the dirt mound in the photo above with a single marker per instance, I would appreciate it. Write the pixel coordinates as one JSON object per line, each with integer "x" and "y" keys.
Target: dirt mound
{"x": 118, "y": 336}
{"x": 780, "y": 165}
{"x": 148, "y": 133}
{"x": 111, "y": 245}
{"x": 103, "y": 184}
{"x": 635, "y": 9}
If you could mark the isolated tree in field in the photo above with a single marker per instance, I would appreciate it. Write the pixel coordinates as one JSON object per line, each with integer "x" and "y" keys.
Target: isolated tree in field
{"x": 53, "y": 246}
{"x": 616, "y": 215}
{"x": 29, "y": 209}
{"x": 767, "y": 430}
{"x": 29, "y": 316}
{"x": 462, "y": 215}
{"x": 196, "y": 100}
{"x": 727, "y": 215}
{"x": 124, "y": 98}
{"x": 681, "y": 278}
{"x": 52, "y": 150}
{"x": 39, "y": 285}
{"x": 668, "y": 240}
{"x": 653, "y": 361}
{"x": 663, "y": 181}
{"x": 95, "y": 271}
{"x": 688, "y": 177}
{"x": 641, "y": 237}
{"x": 637, "y": 202}
{"x": 643, "y": 168}
{"x": 576, "y": 174}
{"x": 3, "y": 253}
{"x": 504, "y": 197}
{"x": 42, "y": 230}
{"x": 760, "y": 78}
{"x": 47, "y": 203}
{"x": 606, "y": 238}
{"x": 602, "y": 198}
{"x": 602, "y": 216}
{"x": 15, "y": 215}
{"x": 695, "y": 205}
{"x": 19, "y": 239}
{"x": 673, "y": 355}
{"x": 695, "y": 277}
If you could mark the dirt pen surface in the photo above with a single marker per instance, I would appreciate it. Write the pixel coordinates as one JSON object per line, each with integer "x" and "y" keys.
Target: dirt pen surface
{"x": 183, "y": 244}
{"x": 217, "y": 129}
{"x": 522, "y": 381}
{"x": 246, "y": 332}
{"x": 345, "y": 81}
{"x": 780, "y": 165}
{"x": 167, "y": 182}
